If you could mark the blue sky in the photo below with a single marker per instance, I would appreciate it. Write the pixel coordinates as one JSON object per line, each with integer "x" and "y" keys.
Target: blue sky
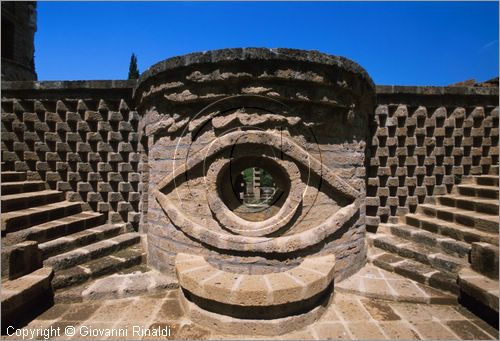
{"x": 401, "y": 43}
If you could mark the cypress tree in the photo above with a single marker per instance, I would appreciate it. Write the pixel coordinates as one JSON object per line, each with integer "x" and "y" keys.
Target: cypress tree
{"x": 133, "y": 71}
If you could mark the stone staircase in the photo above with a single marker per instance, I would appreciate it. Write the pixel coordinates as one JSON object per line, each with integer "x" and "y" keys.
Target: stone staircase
{"x": 451, "y": 244}
{"x": 40, "y": 228}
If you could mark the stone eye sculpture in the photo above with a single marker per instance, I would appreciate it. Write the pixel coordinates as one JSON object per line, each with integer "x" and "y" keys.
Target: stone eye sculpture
{"x": 300, "y": 115}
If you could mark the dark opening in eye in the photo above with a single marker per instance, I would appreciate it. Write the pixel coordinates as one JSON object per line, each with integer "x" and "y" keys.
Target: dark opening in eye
{"x": 257, "y": 188}
{"x": 254, "y": 188}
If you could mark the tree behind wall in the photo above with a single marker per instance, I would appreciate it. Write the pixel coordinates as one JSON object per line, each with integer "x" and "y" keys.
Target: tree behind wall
{"x": 133, "y": 71}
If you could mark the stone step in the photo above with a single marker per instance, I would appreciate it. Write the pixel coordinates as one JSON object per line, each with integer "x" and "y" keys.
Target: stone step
{"x": 374, "y": 282}
{"x": 486, "y": 180}
{"x": 479, "y": 287}
{"x": 57, "y": 228}
{"x": 18, "y": 220}
{"x": 414, "y": 270}
{"x": 135, "y": 283}
{"x": 484, "y": 259}
{"x": 92, "y": 251}
{"x": 297, "y": 284}
{"x": 24, "y": 294}
{"x": 448, "y": 245}
{"x": 75, "y": 293}
{"x": 122, "y": 259}
{"x": 481, "y": 205}
{"x": 12, "y": 176}
{"x": 481, "y": 221}
{"x": 20, "y": 259}
{"x": 135, "y": 280}
{"x": 22, "y": 187}
{"x": 20, "y": 201}
{"x": 420, "y": 253}
{"x": 475, "y": 190}
{"x": 78, "y": 239}
{"x": 450, "y": 229}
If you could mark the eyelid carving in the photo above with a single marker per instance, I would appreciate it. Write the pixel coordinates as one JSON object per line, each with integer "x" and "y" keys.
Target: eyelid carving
{"x": 244, "y": 227}
{"x": 280, "y": 244}
{"x": 287, "y": 146}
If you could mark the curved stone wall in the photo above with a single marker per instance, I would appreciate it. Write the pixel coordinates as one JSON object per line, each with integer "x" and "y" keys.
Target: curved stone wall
{"x": 302, "y": 114}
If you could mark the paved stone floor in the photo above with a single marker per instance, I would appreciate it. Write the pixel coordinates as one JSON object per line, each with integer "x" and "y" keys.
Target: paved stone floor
{"x": 349, "y": 317}
{"x": 374, "y": 282}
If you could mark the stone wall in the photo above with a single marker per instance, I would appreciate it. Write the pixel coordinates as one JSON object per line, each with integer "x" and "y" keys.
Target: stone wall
{"x": 18, "y": 31}
{"x": 424, "y": 139}
{"x": 80, "y": 137}
{"x": 84, "y": 138}
{"x": 303, "y": 115}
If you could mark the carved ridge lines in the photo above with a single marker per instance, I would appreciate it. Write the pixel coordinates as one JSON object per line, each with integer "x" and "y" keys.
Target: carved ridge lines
{"x": 283, "y": 244}
{"x": 263, "y": 138}
{"x": 244, "y": 227}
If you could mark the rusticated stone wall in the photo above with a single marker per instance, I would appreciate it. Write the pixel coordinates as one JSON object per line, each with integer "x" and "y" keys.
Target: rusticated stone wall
{"x": 301, "y": 115}
{"x": 81, "y": 138}
{"x": 424, "y": 139}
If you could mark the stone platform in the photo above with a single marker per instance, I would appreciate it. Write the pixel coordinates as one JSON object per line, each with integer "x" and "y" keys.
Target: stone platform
{"x": 300, "y": 283}
{"x": 349, "y": 317}
{"x": 266, "y": 304}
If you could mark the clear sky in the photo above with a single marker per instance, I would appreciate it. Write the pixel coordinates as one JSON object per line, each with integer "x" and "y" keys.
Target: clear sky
{"x": 401, "y": 43}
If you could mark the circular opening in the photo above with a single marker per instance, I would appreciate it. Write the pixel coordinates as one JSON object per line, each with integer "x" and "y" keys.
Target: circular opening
{"x": 253, "y": 188}
{"x": 257, "y": 189}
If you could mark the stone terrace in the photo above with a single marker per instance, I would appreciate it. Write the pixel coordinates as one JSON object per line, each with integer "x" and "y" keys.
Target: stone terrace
{"x": 349, "y": 317}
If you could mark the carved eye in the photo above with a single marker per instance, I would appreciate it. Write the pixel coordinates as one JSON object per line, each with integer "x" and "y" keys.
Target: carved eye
{"x": 258, "y": 186}
{"x": 204, "y": 195}
{"x": 240, "y": 203}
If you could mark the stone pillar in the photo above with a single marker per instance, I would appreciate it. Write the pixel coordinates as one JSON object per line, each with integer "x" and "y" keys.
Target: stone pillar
{"x": 18, "y": 40}
{"x": 301, "y": 115}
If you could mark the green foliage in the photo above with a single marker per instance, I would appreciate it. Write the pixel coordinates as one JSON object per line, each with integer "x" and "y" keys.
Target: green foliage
{"x": 133, "y": 71}
{"x": 248, "y": 175}
{"x": 266, "y": 180}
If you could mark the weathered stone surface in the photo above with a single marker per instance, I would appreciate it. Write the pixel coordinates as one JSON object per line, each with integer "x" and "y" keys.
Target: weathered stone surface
{"x": 446, "y": 242}
{"x": 484, "y": 259}
{"x": 22, "y": 294}
{"x": 18, "y": 59}
{"x": 76, "y": 243}
{"x": 310, "y": 278}
{"x": 83, "y": 254}
{"x": 126, "y": 285}
{"x": 305, "y": 119}
{"x": 161, "y": 169}
{"x": 66, "y": 129}
{"x": 231, "y": 325}
{"x": 430, "y": 141}
{"x": 481, "y": 288}
{"x": 406, "y": 321}
{"x": 20, "y": 259}
{"x": 373, "y": 282}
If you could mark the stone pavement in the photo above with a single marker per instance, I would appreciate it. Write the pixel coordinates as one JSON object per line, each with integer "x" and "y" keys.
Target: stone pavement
{"x": 374, "y": 282}
{"x": 348, "y": 317}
